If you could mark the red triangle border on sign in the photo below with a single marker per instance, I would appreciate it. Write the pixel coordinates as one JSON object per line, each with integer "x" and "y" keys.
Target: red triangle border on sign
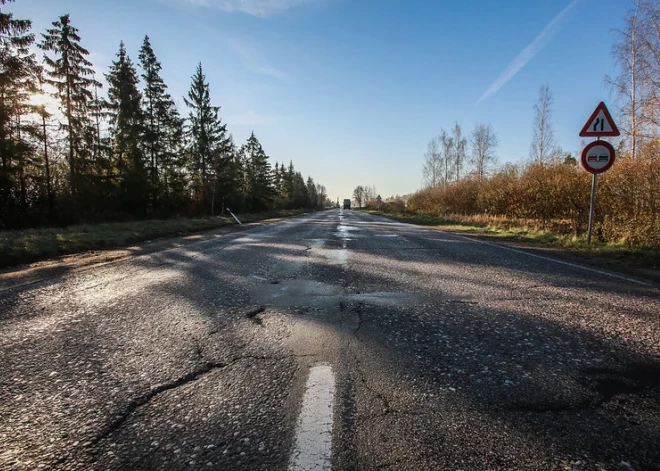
{"x": 585, "y": 130}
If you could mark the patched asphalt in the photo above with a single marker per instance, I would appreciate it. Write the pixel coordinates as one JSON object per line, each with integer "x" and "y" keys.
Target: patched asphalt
{"x": 448, "y": 354}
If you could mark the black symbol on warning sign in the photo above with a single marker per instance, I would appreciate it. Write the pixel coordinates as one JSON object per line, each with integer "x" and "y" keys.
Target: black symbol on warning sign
{"x": 601, "y": 122}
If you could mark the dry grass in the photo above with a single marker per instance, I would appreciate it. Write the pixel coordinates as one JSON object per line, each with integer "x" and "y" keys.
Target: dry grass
{"x": 32, "y": 245}
{"x": 530, "y": 232}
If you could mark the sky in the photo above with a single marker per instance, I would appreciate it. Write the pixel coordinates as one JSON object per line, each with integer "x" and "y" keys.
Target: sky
{"x": 352, "y": 90}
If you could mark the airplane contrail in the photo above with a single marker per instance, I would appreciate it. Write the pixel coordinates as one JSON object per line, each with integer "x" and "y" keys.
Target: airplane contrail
{"x": 528, "y": 53}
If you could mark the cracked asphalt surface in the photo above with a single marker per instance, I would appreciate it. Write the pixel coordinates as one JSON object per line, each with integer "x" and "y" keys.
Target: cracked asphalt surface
{"x": 449, "y": 354}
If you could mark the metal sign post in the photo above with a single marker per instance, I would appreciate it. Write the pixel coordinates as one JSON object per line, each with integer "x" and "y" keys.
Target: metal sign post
{"x": 598, "y": 156}
{"x": 234, "y": 216}
{"x": 591, "y": 207}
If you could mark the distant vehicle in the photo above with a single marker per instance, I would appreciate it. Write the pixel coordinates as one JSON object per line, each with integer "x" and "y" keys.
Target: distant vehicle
{"x": 347, "y": 204}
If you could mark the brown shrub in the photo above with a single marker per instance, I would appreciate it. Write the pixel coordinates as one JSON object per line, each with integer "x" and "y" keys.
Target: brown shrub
{"x": 555, "y": 197}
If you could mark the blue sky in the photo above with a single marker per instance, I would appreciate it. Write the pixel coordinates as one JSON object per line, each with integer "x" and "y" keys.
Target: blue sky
{"x": 352, "y": 90}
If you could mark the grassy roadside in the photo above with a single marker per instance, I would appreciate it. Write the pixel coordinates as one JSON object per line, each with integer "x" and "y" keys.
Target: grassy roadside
{"x": 608, "y": 254}
{"x": 31, "y": 245}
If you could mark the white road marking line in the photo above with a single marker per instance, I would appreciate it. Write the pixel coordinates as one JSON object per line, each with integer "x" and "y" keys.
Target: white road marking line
{"x": 313, "y": 447}
{"x": 561, "y": 262}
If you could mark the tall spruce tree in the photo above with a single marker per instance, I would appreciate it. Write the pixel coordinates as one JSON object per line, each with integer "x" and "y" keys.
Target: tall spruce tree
{"x": 125, "y": 109}
{"x": 259, "y": 174}
{"x": 98, "y": 110}
{"x": 206, "y": 134}
{"x": 300, "y": 194}
{"x": 18, "y": 78}
{"x": 228, "y": 174}
{"x": 277, "y": 180}
{"x": 312, "y": 195}
{"x": 287, "y": 183}
{"x": 162, "y": 124}
{"x": 70, "y": 72}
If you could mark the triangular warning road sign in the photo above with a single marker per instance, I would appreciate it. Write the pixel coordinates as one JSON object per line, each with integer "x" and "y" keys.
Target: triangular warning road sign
{"x": 600, "y": 123}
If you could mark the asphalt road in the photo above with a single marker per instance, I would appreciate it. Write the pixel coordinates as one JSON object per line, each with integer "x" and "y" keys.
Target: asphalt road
{"x": 338, "y": 340}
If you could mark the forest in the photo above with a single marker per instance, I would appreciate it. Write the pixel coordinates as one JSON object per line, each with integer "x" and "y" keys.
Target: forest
{"x": 550, "y": 191}
{"x": 122, "y": 152}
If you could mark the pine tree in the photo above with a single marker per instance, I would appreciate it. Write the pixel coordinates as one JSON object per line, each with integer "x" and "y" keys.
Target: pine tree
{"x": 312, "y": 195}
{"x": 277, "y": 180}
{"x": 206, "y": 133}
{"x": 162, "y": 124}
{"x": 125, "y": 108}
{"x": 300, "y": 195}
{"x": 228, "y": 176}
{"x": 287, "y": 183}
{"x": 259, "y": 175}
{"x": 71, "y": 73}
{"x": 98, "y": 110}
{"x": 18, "y": 78}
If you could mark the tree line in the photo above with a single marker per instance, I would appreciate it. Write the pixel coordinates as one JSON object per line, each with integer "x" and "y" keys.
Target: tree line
{"x": 550, "y": 190}
{"x": 362, "y": 194}
{"x": 448, "y": 159}
{"x": 127, "y": 153}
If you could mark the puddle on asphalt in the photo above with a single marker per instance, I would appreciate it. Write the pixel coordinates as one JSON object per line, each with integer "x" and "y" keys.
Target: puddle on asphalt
{"x": 345, "y": 232}
{"x": 333, "y": 256}
{"x": 317, "y": 295}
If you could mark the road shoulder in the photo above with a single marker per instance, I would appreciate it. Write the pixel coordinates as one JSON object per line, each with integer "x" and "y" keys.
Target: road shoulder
{"x": 593, "y": 260}
{"x": 20, "y": 275}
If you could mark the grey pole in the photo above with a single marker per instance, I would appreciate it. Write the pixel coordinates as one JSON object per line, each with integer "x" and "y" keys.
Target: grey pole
{"x": 591, "y": 208}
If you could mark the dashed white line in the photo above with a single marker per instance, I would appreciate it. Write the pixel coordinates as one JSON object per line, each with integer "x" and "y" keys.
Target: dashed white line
{"x": 313, "y": 447}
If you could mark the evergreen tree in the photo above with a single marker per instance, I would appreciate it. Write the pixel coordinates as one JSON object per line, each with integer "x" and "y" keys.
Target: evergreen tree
{"x": 206, "y": 133}
{"x": 300, "y": 195}
{"x": 277, "y": 180}
{"x": 70, "y": 72}
{"x": 125, "y": 110}
{"x": 18, "y": 78}
{"x": 162, "y": 125}
{"x": 287, "y": 183}
{"x": 227, "y": 187}
{"x": 259, "y": 175}
{"x": 99, "y": 114}
{"x": 312, "y": 195}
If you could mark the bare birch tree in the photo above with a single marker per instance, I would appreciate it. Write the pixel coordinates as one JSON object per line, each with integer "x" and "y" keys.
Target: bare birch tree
{"x": 447, "y": 153}
{"x": 627, "y": 53}
{"x": 358, "y": 195}
{"x": 459, "y": 151}
{"x": 543, "y": 140}
{"x": 432, "y": 171}
{"x": 484, "y": 143}
{"x": 648, "y": 33}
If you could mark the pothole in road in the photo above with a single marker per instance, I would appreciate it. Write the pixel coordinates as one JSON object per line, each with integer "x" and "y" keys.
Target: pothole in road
{"x": 603, "y": 384}
{"x": 317, "y": 295}
{"x": 631, "y": 379}
{"x": 297, "y": 293}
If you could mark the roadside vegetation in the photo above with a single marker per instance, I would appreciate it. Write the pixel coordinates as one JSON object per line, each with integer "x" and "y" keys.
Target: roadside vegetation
{"x": 74, "y": 150}
{"x": 545, "y": 199}
{"x": 528, "y": 233}
{"x": 32, "y": 245}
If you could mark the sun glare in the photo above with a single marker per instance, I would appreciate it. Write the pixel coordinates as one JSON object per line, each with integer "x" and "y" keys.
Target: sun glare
{"x": 47, "y": 101}
{"x": 39, "y": 99}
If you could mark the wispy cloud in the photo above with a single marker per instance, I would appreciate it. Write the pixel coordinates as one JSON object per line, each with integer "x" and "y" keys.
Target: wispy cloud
{"x": 255, "y": 61}
{"x": 260, "y": 8}
{"x": 529, "y": 52}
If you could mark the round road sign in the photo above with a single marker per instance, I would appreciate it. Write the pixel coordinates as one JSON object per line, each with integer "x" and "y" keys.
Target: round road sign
{"x": 598, "y": 157}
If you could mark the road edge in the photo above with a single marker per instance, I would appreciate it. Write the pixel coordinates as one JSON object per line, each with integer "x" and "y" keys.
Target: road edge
{"x": 18, "y": 276}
